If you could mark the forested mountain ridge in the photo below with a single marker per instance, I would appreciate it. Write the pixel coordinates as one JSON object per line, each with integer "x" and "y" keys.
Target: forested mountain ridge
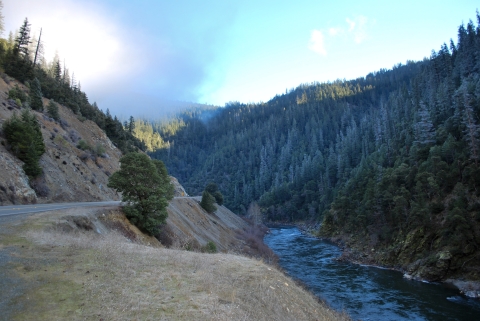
{"x": 387, "y": 162}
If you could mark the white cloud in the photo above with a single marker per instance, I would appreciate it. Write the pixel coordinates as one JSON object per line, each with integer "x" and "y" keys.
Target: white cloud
{"x": 124, "y": 62}
{"x": 351, "y": 24}
{"x": 335, "y": 31}
{"x": 358, "y": 28}
{"x": 317, "y": 43}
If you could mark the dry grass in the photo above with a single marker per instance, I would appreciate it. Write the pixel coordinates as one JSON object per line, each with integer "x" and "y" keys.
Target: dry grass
{"x": 86, "y": 276}
{"x": 81, "y": 275}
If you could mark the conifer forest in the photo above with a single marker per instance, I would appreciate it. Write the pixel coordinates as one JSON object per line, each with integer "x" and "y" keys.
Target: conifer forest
{"x": 389, "y": 161}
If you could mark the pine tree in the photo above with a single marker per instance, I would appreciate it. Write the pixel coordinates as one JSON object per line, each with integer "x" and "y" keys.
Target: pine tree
{"x": 424, "y": 131}
{"x": 23, "y": 39}
{"x": 26, "y": 141}
{"x": 212, "y": 188}
{"x": 472, "y": 129}
{"x": 208, "y": 202}
{"x": 143, "y": 190}
{"x": 36, "y": 101}
{"x": 131, "y": 125}
{"x": 52, "y": 109}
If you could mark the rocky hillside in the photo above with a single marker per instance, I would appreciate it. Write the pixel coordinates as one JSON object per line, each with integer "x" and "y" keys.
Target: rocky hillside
{"x": 188, "y": 224}
{"x": 69, "y": 173}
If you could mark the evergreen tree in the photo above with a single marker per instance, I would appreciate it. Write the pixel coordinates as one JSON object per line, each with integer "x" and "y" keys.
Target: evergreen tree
{"x": 472, "y": 129}
{"x": 213, "y": 190}
{"x": 165, "y": 179}
{"x": 52, "y": 109}
{"x": 143, "y": 190}
{"x": 36, "y": 101}
{"x": 424, "y": 131}
{"x": 23, "y": 40}
{"x": 26, "y": 141}
{"x": 208, "y": 202}
{"x": 131, "y": 125}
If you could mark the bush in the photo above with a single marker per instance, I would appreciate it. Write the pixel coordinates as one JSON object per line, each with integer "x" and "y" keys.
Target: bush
{"x": 83, "y": 145}
{"x": 99, "y": 150}
{"x": 210, "y": 247}
{"x": 17, "y": 94}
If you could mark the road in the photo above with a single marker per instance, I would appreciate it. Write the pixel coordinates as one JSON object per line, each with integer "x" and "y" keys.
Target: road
{"x": 28, "y": 209}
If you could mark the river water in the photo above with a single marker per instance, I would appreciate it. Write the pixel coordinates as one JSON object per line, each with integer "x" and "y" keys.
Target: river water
{"x": 364, "y": 292}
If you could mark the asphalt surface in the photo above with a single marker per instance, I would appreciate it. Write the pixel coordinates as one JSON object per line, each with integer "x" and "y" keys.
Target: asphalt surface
{"x": 29, "y": 209}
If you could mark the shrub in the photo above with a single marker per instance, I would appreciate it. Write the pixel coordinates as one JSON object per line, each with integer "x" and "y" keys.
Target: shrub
{"x": 99, "y": 150}
{"x": 17, "y": 94}
{"x": 59, "y": 140}
{"x": 83, "y": 145}
{"x": 210, "y": 247}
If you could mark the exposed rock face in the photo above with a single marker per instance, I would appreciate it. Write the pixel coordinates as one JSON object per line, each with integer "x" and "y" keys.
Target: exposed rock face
{"x": 69, "y": 173}
{"x": 179, "y": 190}
{"x": 13, "y": 181}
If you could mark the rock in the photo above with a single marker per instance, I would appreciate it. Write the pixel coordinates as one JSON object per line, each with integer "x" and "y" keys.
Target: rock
{"x": 443, "y": 260}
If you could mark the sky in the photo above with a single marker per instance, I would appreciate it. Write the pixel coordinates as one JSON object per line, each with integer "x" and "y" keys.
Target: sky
{"x": 147, "y": 57}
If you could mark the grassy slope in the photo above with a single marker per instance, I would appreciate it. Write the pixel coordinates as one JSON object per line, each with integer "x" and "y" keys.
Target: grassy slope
{"x": 82, "y": 275}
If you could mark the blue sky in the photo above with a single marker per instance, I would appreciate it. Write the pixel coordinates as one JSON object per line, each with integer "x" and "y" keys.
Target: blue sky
{"x": 141, "y": 57}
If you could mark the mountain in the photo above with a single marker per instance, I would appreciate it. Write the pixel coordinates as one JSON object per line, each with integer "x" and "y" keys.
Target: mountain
{"x": 389, "y": 163}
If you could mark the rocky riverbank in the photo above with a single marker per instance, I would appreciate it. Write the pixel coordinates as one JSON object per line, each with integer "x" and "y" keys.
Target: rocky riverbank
{"x": 436, "y": 267}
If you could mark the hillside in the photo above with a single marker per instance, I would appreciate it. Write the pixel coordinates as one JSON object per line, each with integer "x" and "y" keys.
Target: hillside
{"x": 91, "y": 264}
{"x": 388, "y": 163}
{"x": 69, "y": 173}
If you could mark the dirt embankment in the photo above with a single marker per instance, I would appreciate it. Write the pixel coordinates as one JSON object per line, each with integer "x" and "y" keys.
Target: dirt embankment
{"x": 189, "y": 223}
{"x": 69, "y": 173}
{"x": 91, "y": 264}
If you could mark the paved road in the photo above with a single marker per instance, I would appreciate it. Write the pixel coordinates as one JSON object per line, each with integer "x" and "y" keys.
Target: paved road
{"x": 25, "y": 209}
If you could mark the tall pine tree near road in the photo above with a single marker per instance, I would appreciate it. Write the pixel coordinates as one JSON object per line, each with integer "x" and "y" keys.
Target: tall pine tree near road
{"x": 143, "y": 190}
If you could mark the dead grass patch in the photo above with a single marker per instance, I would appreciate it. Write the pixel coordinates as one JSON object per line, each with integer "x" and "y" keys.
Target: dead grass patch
{"x": 97, "y": 277}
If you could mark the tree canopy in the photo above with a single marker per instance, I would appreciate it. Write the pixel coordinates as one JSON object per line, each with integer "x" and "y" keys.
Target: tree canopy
{"x": 144, "y": 189}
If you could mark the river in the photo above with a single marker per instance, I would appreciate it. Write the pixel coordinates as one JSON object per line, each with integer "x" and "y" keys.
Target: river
{"x": 364, "y": 292}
